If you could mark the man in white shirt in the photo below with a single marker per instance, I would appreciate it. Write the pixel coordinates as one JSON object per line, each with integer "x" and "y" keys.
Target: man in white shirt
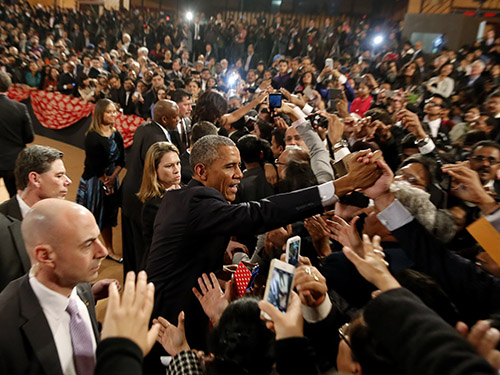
{"x": 48, "y": 317}
{"x": 40, "y": 174}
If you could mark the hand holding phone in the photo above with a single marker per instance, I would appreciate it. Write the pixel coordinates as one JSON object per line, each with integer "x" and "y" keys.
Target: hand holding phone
{"x": 275, "y": 101}
{"x": 279, "y": 285}
{"x": 290, "y": 324}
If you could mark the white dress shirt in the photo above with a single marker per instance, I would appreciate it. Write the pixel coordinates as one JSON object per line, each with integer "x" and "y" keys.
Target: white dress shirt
{"x": 54, "y": 307}
{"x": 167, "y": 134}
{"x": 23, "y": 207}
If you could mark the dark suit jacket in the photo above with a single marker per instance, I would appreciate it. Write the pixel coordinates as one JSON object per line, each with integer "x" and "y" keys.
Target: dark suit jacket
{"x": 15, "y": 129}
{"x": 145, "y": 135}
{"x": 191, "y": 233}
{"x": 11, "y": 208}
{"x": 404, "y": 326}
{"x": 185, "y": 168}
{"x": 66, "y": 79}
{"x": 14, "y": 261}
{"x": 26, "y": 343}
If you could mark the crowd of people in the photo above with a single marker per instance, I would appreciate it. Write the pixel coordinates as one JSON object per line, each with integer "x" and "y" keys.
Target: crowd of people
{"x": 383, "y": 158}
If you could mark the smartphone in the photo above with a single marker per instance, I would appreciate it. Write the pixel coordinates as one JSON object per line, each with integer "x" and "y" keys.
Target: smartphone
{"x": 335, "y": 94}
{"x": 275, "y": 100}
{"x": 329, "y": 63}
{"x": 308, "y": 92}
{"x": 293, "y": 250}
{"x": 279, "y": 285}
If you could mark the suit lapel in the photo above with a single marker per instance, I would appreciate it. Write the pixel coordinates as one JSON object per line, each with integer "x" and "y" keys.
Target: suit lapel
{"x": 84, "y": 291}
{"x": 15, "y": 232}
{"x": 37, "y": 330}
{"x": 13, "y": 209}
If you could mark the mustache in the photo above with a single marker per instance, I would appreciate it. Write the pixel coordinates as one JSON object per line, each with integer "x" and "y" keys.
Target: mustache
{"x": 483, "y": 169}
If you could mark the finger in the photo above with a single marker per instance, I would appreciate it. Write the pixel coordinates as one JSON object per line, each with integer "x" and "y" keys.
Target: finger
{"x": 197, "y": 294}
{"x": 152, "y": 337}
{"x": 376, "y": 242}
{"x": 202, "y": 285}
{"x": 489, "y": 341}
{"x": 114, "y": 298}
{"x": 180, "y": 323}
{"x": 141, "y": 289}
{"x": 164, "y": 322}
{"x": 270, "y": 310}
{"x": 129, "y": 291}
{"x": 215, "y": 282}
{"x": 304, "y": 260}
{"x": 477, "y": 332}
{"x": 207, "y": 281}
{"x": 149, "y": 300}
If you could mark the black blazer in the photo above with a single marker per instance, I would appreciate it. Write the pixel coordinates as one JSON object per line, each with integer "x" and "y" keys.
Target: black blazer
{"x": 191, "y": 233}
{"x": 11, "y": 208}
{"x": 97, "y": 154}
{"x": 15, "y": 129}
{"x": 26, "y": 343}
{"x": 14, "y": 260}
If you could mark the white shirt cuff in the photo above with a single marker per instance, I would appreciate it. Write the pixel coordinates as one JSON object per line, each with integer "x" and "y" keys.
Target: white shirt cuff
{"x": 342, "y": 79}
{"x": 395, "y": 216}
{"x": 318, "y": 313}
{"x": 427, "y": 149}
{"x": 307, "y": 109}
{"x": 341, "y": 153}
{"x": 299, "y": 122}
{"x": 298, "y": 112}
{"x": 327, "y": 194}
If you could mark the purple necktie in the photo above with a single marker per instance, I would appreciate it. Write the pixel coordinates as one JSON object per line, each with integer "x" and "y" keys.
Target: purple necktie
{"x": 83, "y": 354}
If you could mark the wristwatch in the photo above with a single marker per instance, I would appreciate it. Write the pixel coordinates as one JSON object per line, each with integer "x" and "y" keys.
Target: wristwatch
{"x": 340, "y": 144}
{"x": 422, "y": 142}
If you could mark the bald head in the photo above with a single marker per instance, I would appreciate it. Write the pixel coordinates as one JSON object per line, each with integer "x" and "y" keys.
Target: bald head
{"x": 49, "y": 219}
{"x": 166, "y": 113}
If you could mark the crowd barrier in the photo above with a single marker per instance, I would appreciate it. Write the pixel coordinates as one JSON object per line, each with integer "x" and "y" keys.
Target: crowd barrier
{"x": 59, "y": 112}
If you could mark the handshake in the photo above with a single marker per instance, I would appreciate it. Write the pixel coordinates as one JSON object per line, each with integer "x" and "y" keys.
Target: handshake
{"x": 365, "y": 170}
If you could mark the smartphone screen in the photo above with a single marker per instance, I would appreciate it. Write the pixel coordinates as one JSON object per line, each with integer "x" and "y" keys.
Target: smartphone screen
{"x": 329, "y": 63}
{"x": 293, "y": 251}
{"x": 334, "y": 94}
{"x": 275, "y": 100}
{"x": 280, "y": 288}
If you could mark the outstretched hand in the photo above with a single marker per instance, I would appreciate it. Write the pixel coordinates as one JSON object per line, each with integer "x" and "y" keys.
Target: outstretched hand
{"x": 212, "y": 299}
{"x": 172, "y": 338}
{"x": 345, "y": 233}
{"x": 129, "y": 316}
{"x": 484, "y": 339}
{"x": 371, "y": 264}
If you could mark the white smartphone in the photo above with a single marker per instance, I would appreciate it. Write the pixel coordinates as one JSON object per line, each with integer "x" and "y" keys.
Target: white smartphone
{"x": 329, "y": 63}
{"x": 293, "y": 250}
{"x": 279, "y": 285}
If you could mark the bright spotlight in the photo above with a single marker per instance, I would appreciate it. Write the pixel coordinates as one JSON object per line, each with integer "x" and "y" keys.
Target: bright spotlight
{"x": 378, "y": 40}
{"x": 189, "y": 16}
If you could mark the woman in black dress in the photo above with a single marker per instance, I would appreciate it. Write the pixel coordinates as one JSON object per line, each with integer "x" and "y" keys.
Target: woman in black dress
{"x": 162, "y": 172}
{"x": 104, "y": 158}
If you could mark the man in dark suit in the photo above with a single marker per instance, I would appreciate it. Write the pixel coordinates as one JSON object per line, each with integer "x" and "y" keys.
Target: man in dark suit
{"x": 41, "y": 311}
{"x": 14, "y": 261}
{"x": 40, "y": 174}
{"x": 184, "y": 100}
{"x": 198, "y": 32}
{"x": 251, "y": 59}
{"x": 473, "y": 85}
{"x": 166, "y": 117}
{"x": 67, "y": 81}
{"x": 16, "y": 130}
{"x": 194, "y": 224}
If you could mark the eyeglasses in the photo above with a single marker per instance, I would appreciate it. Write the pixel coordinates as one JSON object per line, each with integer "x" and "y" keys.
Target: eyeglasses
{"x": 343, "y": 334}
{"x": 277, "y": 162}
{"x": 482, "y": 159}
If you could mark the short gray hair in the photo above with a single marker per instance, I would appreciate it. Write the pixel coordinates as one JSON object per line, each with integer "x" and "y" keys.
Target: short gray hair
{"x": 206, "y": 150}
{"x": 5, "y": 82}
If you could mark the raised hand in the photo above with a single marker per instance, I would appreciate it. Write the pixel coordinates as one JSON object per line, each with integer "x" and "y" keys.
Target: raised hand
{"x": 212, "y": 299}
{"x": 310, "y": 284}
{"x": 172, "y": 338}
{"x": 371, "y": 264}
{"x": 290, "y": 324}
{"x": 346, "y": 233}
{"x": 129, "y": 316}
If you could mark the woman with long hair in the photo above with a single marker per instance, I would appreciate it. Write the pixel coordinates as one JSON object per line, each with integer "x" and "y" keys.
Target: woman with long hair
{"x": 410, "y": 81}
{"x": 162, "y": 172}
{"x": 104, "y": 159}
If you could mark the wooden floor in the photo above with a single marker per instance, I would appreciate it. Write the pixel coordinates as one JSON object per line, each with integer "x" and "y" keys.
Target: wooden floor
{"x": 73, "y": 160}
